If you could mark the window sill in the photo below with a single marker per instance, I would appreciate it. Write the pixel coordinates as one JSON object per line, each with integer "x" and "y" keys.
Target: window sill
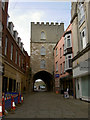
{"x": 42, "y": 39}
{"x": 42, "y": 55}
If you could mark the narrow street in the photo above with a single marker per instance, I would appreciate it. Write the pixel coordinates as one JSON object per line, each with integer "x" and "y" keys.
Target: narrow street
{"x": 50, "y": 105}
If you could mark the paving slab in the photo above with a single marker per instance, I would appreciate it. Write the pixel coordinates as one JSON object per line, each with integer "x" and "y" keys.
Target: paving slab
{"x": 50, "y": 105}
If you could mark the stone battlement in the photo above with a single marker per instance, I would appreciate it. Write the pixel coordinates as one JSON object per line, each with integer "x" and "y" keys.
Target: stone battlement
{"x": 47, "y": 23}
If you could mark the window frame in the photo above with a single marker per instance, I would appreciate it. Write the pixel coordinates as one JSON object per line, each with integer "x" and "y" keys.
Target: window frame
{"x": 0, "y": 42}
{"x": 57, "y": 66}
{"x": 43, "y": 51}
{"x": 66, "y": 41}
{"x": 43, "y": 35}
{"x": 64, "y": 67}
{"x": 16, "y": 57}
{"x": 6, "y": 45}
{"x": 81, "y": 14}
{"x": 60, "y": 52}
{"x": 11, "y": 55}
{"x": 42, "y": 64}
{"x": 19, "y": 60}
{"x": 67, "y": 61}
{"x": 61, "y": 68}
{"x": 56, "y": 52}
{"x": 3, "y": 4}
{"x": 83, "y": 40}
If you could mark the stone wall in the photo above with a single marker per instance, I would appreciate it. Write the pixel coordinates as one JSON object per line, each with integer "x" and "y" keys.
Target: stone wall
{"x": 36, "y": 57}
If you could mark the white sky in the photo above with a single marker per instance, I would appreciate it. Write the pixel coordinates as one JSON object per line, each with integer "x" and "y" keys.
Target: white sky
{"x": 38, "y": 80}
{"x": 22, "y": 13}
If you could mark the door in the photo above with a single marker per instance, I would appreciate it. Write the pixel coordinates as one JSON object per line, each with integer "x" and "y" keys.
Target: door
{"x": 78, "y": 88}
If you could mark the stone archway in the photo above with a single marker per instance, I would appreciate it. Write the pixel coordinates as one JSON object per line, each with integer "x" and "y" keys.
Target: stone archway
{"x": 46, "y": 77}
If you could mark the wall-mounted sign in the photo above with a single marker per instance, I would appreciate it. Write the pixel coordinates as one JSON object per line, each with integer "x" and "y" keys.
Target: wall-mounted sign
{"x": 56, "y": 75}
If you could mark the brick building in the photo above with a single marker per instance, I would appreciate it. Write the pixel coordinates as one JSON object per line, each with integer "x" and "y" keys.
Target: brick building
{"x": 63, "y": 54}
{"x": 14, "y": 58}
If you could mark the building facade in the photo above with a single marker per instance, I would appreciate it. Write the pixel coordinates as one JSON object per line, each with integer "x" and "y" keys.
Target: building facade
{"x": 14, "y": 57}
{"x": 80, "y": 14}
{"x": 43, "y": 39}
{"x": 63, "y": 54}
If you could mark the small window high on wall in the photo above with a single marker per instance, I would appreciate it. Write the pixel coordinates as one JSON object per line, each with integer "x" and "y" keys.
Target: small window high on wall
{"x": 43, "y": 36}
{"x": 43, "y": 51}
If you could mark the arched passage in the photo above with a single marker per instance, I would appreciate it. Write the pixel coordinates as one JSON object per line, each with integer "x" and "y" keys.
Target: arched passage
{"x": 46, "y": 77}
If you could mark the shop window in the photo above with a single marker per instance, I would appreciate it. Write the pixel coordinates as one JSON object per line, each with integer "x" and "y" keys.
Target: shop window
{"x": 14, "y": 86}
{"x": 4, "y": 84}
{"x": 10, "y": 85}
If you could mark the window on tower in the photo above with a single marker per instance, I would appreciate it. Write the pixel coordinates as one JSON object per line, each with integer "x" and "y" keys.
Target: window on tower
{"x": 43, "y": 36}
{"x": 43, "y": 63}
{"x": 43, "y": 51}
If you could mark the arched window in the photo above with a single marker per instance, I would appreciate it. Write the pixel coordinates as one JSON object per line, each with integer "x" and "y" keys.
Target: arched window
{"x": 43, "y": 35}
{"x": 42, "y": 64}
{"x": 43, "y": 51}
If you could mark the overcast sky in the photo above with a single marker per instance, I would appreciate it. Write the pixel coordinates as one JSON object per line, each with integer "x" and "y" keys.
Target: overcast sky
{"x": 22, "y": 13}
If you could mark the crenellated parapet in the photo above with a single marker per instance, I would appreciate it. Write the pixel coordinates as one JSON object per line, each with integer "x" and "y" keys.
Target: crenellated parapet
{"x": 47, "y": 23}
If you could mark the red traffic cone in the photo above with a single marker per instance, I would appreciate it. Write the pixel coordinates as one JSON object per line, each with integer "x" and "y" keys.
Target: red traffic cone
{"x": 12, "y": 103}
{"x": 0, "y": 109}
{"x": 3, "y": 105}
{"x": 21, "y": 98}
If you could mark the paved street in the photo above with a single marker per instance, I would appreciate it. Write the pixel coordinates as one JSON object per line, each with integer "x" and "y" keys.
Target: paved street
{"x": 50, "y": 105}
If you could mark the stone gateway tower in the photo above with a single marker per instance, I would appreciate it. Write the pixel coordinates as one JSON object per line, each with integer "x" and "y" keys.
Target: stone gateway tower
{"x": 43, "y": 39}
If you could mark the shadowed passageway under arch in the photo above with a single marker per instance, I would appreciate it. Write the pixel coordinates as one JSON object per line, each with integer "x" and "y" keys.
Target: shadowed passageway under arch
{"x": 46, "y": 77}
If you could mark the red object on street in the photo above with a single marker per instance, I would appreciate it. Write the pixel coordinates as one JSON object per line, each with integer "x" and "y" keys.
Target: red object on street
{"x": 0, "y": 108}
{"x": 19, "y": 101}
{"x": 56, "y": 92}
{"x": 21, "y": 98}
{"x": 12, "y": 103}
{"x": 18, "y": 98}
{"x": 3, "y": 104}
